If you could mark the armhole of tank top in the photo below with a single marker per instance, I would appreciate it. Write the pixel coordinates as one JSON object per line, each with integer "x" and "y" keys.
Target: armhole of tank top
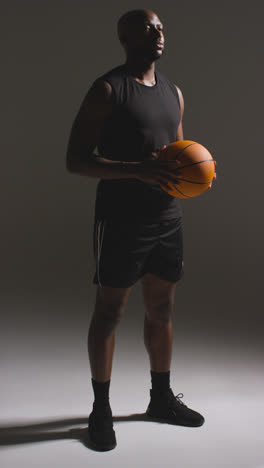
{"x": 113, "y": 90}
{"x": 177, "y": 95}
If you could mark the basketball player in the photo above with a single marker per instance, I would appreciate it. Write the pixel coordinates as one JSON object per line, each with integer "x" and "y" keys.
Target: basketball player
{"x": 130, "y": 113}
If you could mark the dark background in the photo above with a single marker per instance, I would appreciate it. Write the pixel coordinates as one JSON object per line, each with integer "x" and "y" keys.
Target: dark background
{"x": 52, "y": 53}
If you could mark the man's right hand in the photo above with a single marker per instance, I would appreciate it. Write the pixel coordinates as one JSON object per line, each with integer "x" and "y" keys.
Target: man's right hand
{"x": 154, "y": 170}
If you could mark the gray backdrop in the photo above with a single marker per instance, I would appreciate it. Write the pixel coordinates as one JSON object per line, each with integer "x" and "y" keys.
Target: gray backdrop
{"x": 52, "y": 52}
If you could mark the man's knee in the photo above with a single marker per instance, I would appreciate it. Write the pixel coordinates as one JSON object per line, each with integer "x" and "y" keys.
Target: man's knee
{"x": 158, "y": 298}
{"x": 110, "y": 307}
{"x": 160, "y": 310}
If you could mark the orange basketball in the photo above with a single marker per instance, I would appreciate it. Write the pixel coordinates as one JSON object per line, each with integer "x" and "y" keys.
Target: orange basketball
{"x": 197, "y": 168}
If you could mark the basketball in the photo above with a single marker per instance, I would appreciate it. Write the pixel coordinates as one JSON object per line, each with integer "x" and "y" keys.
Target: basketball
{"x": 196, "y": 166}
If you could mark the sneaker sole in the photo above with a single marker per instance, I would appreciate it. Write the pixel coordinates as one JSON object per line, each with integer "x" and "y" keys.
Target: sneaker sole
{"x": 173, "y": 423}
{"x": 101, "y": 448}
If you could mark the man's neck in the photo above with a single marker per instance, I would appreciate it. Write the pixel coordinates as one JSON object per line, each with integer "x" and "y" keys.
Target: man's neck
{"x": 142, "y": 70}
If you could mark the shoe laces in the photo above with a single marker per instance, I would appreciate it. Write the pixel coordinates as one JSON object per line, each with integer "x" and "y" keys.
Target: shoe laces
{"x": 176, "y": 399}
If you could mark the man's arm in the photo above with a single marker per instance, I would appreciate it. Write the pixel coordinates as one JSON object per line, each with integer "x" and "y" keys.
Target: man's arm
{"x": 179, "y": 134}
{"x": 86, "y": 131}
{"x": 85, "y": 134}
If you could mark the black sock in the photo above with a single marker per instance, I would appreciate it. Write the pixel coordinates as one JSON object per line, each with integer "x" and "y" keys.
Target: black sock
{"x": 160, "y": 381}
{"x": 101, "y": 393}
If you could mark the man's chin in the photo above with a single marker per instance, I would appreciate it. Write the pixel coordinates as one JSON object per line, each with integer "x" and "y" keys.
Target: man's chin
{"x": 151, "y": 56}
{"x": 157, "y": 55}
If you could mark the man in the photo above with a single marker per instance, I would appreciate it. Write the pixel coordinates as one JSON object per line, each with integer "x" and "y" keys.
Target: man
{"x": 130, "y": 113}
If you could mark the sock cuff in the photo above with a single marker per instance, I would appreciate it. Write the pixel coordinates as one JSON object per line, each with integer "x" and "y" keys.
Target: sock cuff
{"x": 160, "y": 381}
{"x": 101, "y": 390}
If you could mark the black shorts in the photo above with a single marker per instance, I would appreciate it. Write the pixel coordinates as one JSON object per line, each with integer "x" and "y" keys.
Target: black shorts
{"x": 124, "y": 251}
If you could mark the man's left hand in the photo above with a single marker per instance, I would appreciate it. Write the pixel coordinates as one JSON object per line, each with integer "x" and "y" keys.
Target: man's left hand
{"x": 210, "y": 185}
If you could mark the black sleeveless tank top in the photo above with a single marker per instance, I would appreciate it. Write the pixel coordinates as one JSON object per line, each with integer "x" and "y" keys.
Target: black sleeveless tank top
{"x": 143, "y": 119}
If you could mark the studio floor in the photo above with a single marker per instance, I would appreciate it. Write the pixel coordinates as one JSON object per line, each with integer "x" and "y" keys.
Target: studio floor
{"x": 47, "y": 398}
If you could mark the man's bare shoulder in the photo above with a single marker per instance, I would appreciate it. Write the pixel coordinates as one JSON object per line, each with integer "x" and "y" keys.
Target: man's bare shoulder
{"x": 178, "y": 89}
{"x": 101, "y": 89}
{"x": 98, "y": 100}
{"x": 180, "y": 98}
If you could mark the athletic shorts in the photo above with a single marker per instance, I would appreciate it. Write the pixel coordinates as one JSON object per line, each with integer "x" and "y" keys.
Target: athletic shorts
{"x": 125, "y": 251}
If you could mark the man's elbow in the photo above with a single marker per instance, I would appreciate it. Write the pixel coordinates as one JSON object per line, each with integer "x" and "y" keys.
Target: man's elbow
{"x": 70, "y": 163}
{"x": 69, "y": 167}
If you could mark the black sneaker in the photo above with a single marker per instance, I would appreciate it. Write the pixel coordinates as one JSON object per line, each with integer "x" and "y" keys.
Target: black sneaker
{"x": 100, "y": 429}
{"x": 165, "y": 407}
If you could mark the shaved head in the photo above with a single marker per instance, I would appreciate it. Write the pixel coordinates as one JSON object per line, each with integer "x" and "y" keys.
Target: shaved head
{"x": 131, "y": 18}
{"x": 141, "y": 34}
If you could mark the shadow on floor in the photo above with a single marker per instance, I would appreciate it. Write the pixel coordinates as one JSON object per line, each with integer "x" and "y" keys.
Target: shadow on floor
{"x": 56, "y": 430}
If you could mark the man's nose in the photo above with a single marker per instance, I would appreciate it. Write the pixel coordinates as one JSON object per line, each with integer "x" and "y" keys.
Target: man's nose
{"x": 158, "y": 34}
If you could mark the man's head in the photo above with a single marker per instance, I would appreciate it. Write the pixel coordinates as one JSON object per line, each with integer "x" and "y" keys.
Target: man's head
{"x": 141, "y": 33}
